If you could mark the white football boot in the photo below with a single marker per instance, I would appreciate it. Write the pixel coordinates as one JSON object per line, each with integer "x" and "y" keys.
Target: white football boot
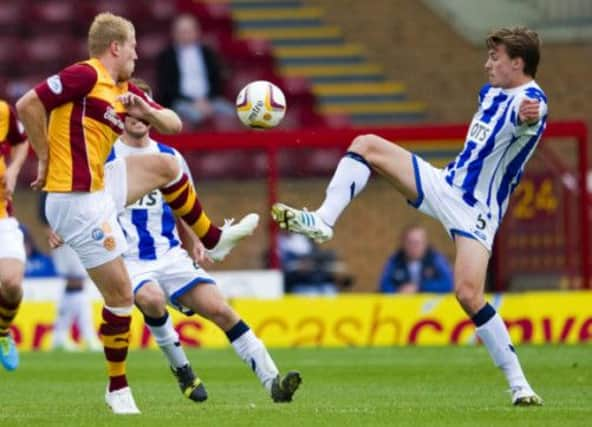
{"x": 121, "y": 401}
{"x": 232, "y": 234}
{"x": 525, "y": 396}
{"x": 301, "y": 221}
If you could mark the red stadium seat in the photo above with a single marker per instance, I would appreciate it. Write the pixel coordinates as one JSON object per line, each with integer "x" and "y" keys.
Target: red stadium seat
{"x": 47, "y": 54}
{"x": 54, "y": 16}
{"x": 150, "y": 45}
{"x": 10, "y": 55}
{"x": 12, "y": 19}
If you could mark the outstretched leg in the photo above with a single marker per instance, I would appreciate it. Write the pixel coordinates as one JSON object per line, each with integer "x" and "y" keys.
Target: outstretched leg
{"x": 149, "y": 172}
{"x": 207, "y": 301}
{"x": 469, "y": 276}
{"x": 366, "y": 153}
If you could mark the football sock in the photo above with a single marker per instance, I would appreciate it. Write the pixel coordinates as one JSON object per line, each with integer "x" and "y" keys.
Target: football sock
{"x": 349, "y": 179}
{"x": 85, "y": 320}
{"x": 493, "y": 333}
{"x": 167, "y": 339}
{"x": 8, "y": 311}
{"x": 182, "y": 198}
{"x": 67, "y": 311}
{"x": 115, "y": 331}
{"x": 253, "y": 352}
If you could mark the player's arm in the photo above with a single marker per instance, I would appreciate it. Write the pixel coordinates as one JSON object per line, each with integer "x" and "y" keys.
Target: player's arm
{"x": 73, "y": 82}
{"x": 34, "y": 118}
{"x": 191, "y": 243}
{"x": 18, "y": 152}
{"x": 141, "y": 106}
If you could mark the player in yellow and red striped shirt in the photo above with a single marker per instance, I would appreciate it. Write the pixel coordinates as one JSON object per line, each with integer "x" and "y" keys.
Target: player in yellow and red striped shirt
{"x": 12, "y": 250}
{"x": 72, "y": 120}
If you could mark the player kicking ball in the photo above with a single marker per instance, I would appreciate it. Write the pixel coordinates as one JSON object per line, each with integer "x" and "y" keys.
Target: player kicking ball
{"x": 72, "y": 120}
{"x": 161, "y": 271}
{"x": 470, "y": 196}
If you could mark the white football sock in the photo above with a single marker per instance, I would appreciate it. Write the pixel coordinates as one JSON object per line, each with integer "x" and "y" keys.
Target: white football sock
{"x": 496, "y": 338}
{"x": 168, "y": 340}
{"x": 253, "y": 352}
{"x": 85, "y": 321}
{"x": 67, "y": 310}
{"x": 349, "y": 179}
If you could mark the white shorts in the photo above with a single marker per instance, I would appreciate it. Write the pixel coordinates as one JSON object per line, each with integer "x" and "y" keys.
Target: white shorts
{"x": 443, "y": 202}
{"x": 116, "y": 183}
{"x": 12, "y": 243}
{"x": 67, "y": 263}
{"x": 175, "y": 273}
{"x": 88, "y": 223}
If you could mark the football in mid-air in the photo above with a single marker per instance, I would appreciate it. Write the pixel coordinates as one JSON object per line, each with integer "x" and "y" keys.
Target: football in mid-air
{"x": 261, "y": 105}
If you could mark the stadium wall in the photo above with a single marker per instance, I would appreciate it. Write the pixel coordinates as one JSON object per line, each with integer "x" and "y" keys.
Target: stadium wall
{"x": 354, "y": 321}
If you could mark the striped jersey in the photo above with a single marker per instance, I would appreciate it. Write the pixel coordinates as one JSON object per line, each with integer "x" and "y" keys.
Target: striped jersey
{"x": 11, "y": 133}
{"x": 148, "y": 224}
{"x": 497, "y": 147}
{"x": 85, "y": 119}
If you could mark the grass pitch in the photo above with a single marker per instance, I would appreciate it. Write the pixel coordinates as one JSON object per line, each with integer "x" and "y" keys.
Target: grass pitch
{"x": 413, "y": 386}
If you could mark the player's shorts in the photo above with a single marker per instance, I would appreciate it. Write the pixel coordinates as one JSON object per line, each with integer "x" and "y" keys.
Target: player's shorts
{"x": 88, "y": 223}
{"x": 67, "y": 263}
{"x": 175, "y": 273}
{"x": 116, "y": 182}
{"x": 12, "y": 244}
{"x": 445, "y": 203}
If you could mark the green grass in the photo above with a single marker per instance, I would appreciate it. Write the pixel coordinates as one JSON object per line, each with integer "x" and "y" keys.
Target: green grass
{"x": 413, "y": 386}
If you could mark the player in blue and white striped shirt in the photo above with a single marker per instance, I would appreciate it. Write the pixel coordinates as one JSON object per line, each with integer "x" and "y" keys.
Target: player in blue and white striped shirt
{"x": 470, "y": 196}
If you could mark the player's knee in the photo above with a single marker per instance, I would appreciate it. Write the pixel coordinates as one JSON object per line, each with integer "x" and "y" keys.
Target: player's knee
{"x": 12, "y": 287}
{"x": 467, "y": 293}
{"x": 151, "y": 301}
{"x": 367, "y": 146}
{"x": 167, "y": 167}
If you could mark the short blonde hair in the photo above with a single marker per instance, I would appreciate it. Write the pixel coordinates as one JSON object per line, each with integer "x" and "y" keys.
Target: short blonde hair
{"x": 107, "y": 28}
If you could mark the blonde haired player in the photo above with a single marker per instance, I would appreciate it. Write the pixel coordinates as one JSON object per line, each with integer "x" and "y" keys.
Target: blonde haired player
{"x": 470, "y": 196}
{"x": 73, "y": 119}
{"x": 12, "y": 248}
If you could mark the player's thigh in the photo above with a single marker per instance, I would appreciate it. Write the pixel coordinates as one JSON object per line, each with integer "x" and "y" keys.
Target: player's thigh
{"x": 206, "y": 300}
{"x": 112, "y": 280}
{"x": 147, "y": 172}
{"x": 470, "y": 271}
{"x": 150, "y": 299}
{"x": 390, "y": 160}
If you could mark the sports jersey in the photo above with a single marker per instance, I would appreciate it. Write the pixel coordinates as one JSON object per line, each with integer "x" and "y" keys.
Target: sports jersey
{"x": 497, "y": 147}
{"x": 85, "y": 119}
{"x": 148, "y": 224}
{"x": 12, "y": 133}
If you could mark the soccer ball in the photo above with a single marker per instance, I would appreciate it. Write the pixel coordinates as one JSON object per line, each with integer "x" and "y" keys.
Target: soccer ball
{"x": 261, "y": 105}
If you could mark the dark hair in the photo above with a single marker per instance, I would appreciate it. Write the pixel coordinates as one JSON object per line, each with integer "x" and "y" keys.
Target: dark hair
{"x": 142, "y": 85}
{"x": 520, "y": 42}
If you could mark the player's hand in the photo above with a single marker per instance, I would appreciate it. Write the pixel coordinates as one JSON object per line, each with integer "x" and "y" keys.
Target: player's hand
{"x": 135, "y": 105}
{"x": 9, "y": 182}
{"x": 200, "y": 254}
{"x": 55, "y": 241}
{"x": 39, "y": 182}
{"x": 529, "y": 111}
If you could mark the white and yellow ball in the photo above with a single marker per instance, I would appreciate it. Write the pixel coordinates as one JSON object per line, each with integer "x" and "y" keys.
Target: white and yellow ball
{"x": 261, "y": 105}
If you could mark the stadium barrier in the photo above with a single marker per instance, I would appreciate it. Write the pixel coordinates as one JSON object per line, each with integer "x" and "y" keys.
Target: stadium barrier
{"x": 355, "y": 321}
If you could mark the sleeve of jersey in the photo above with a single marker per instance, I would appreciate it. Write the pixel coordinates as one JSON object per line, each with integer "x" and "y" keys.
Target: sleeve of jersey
{"x": 16, "y": 133}
{"x": 73, "y": 82}
{"x": 137, "y": 91}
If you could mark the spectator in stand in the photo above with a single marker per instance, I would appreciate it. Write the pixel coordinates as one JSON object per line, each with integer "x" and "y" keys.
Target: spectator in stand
{"x": 416, "y": 267}
{"x": 189, "y": 76}
{"x": 309, "y": 270}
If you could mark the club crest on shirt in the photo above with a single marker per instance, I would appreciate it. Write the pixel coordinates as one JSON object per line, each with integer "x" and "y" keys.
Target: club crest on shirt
{"x": 97, "y": 234}
{"x": 55, "y": 84}
{"x": 109, "y": 243}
